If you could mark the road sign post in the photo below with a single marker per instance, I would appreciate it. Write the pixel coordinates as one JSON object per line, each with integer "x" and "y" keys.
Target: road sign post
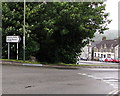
{"x": 8, "y": 50}
{"x": 12, "y": 39}
{"x": 17, "y": 51}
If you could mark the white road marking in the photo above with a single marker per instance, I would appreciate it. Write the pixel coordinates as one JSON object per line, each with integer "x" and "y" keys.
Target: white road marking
{"x": 90, "y": 76}
{"x": 115, "y": 87}
{"x": 111, "y": 80}
{"x": 82, "y": 73}
{"x": 104, "y": 69}
{"x": 97, "y": 78}
{"x": 107, "y": 80}
{"x": 112, "y": 84}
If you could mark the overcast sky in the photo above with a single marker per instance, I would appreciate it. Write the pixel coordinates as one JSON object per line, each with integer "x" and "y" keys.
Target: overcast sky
{"x": 112, "y": 8}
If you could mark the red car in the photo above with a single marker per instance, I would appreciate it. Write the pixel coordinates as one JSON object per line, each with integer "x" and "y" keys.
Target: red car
{"x": 116, "y": 60}
{"x": 109, "y": 60}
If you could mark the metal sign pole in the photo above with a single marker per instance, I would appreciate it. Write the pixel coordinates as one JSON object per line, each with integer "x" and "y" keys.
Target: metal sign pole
{"x": 17, "y": 51}
{"x": 8, "y": 50}
{"x": 12, "y": 39}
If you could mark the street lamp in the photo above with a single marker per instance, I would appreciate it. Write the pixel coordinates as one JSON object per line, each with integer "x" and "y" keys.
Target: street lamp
{"x": 44, "y": 2}
{"x": 24, "y": 33}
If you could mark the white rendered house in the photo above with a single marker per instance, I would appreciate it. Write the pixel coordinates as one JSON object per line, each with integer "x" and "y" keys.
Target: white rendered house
{"x": 106, "y": 49}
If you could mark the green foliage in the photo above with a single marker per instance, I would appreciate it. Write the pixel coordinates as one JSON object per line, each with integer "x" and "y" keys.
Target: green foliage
{"x": 56, "y": 31}
{"x": 21, "y": 61}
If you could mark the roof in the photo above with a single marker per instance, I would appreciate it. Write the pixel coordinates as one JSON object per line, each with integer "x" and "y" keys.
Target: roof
{"x": 107, "y": 43}
{"x": 94, "y": 43}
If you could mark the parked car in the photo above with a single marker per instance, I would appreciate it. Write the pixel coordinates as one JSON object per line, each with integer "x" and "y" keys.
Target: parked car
{"x": 84, "y": 58}
{"x": 109, "y": 60}
{"x": 116, "y": 60}
{"x": 102, "y": 59}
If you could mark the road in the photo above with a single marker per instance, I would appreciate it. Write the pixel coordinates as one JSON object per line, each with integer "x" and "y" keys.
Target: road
{"x": 39, "y": 80}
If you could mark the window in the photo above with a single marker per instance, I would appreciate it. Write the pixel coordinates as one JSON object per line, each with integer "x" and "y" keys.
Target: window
{"x": 102, "y": 50}
{"x": 109, "y": 50}
{"x": 108, "y": 55}
{"x": 104, "y": 56}
{"x": 95, "y": 54}
{"x": 95, "y": 49}
{"x": 105, "y": 46}
{"x": 98, "y": 55}
{"x": 101, "y": 55}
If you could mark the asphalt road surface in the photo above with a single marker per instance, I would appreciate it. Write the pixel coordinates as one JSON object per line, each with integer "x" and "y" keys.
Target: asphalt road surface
{"x": 39, "y": 80}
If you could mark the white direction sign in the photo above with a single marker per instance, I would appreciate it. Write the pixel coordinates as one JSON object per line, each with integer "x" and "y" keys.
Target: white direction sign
{"x": 13, "y": 39}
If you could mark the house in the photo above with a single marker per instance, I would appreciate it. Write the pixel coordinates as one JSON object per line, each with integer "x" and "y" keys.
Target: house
{"x": 86, "y": 53}
{"x": 106, "y": 49}
{"x": 101, "y": 49}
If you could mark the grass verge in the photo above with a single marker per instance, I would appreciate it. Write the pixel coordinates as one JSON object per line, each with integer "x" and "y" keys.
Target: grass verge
{"x": 64, "y": 64}
{"x": 20, "y": 61}
{"x": 56, "y": 64}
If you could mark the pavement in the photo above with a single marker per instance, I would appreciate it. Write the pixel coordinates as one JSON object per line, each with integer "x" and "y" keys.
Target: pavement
{"x": 96, "y": 62}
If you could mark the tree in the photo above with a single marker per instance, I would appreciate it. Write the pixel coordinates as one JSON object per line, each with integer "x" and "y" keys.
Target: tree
{"x": 61, "y": 29}
{"x": 12, "y": 24}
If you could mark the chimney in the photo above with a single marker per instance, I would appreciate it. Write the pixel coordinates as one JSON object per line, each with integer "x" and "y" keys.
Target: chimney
{"x": 104, "y": 38}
